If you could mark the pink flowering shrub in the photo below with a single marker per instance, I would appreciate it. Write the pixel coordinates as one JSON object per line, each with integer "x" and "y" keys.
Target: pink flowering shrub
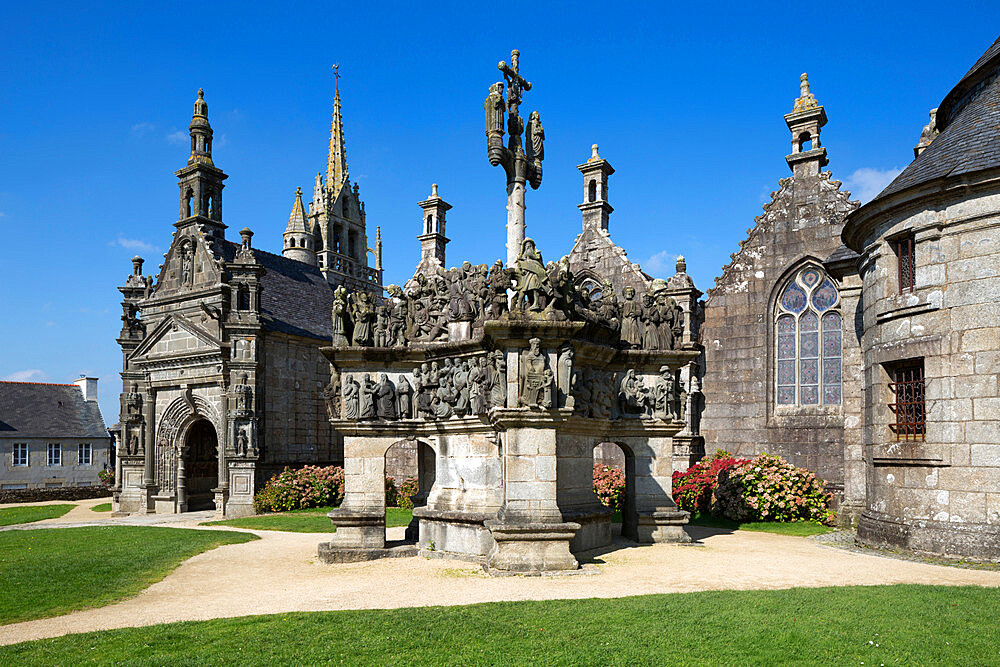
{"x": 391, "y": 492}
{"x": 309, "y": 486}
{"x": 609, "y": 485}
{"x": 409, "y": 488}
{"x": 768, "y": 488}
{"x": 107, "y": 476}
{"x": 694, "y": 489}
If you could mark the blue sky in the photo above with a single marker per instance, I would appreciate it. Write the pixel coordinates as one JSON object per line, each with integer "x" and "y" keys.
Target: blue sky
{"x": 686, "y": 103}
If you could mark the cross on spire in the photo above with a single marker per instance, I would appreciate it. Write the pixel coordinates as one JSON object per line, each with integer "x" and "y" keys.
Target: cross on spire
{"x": 336, "y": 73}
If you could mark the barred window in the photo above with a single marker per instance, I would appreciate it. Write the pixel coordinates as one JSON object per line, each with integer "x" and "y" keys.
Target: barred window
{"x": 908, "y": 408}
{"x": 809, "y": 340}
{"x": 906, "y": 262}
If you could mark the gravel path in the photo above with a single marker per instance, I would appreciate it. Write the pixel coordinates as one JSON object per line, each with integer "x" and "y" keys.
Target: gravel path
{"x": 280, "y": 573}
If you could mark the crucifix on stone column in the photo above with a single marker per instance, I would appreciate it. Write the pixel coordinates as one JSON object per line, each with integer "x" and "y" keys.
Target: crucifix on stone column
{"x": 522, "y": 162}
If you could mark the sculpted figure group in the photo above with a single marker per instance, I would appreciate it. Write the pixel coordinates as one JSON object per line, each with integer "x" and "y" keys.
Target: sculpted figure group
{"x": 439, "y": 390}
{"x": 664, "y": 400}
{"x": 477, "y": 293}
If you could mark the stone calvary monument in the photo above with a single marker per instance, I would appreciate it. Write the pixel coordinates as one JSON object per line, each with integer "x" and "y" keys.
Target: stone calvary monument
{"x": 507, "y": 378}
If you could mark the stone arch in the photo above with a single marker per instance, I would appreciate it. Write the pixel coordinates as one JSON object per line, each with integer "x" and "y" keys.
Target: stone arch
{"x": 629, "y": 514}
{"x": 172, "y": 430}
{"x": 415, "y": 458}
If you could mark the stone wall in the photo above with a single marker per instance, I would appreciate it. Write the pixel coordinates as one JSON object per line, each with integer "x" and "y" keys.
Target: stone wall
{"x": 941, "y": 494}
{"x": 800, "y": 224}
{"x": 296, "y": 429}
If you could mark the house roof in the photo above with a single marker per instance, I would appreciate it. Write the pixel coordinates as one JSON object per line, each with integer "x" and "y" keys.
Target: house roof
{"x": 40, "y": 410}
{"x": 295, "y": 297}
{"x": 969, "y": 121}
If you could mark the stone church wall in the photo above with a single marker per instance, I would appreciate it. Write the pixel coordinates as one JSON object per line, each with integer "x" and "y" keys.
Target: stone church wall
{"x": 296, "y": 427}
{"x": 800, "y": 225}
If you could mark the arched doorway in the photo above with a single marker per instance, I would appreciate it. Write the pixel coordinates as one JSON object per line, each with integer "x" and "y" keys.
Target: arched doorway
{"x": 620, "y": 458}
{"x": 201, "y": 466}
{"x": 412, "y": 465}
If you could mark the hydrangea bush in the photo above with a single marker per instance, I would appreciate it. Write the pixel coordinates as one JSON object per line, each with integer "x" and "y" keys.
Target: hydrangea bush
{"x": 694, "y": 489}
{"x": 768, "y": 488}
{"x": 407, "y": 490}
{"x": 609, "y": 485}
{"x": 391, "y": 492}
{"x": 309, "y": 486}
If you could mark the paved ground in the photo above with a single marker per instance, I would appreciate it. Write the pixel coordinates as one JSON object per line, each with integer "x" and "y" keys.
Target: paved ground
{"x": 280, "y": 573}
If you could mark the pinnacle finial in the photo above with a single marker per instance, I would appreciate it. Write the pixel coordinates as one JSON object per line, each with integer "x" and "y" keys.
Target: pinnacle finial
{"x": 805, "y": 100}
{"x": 434, "y": 189}
{"x": 593, "y": 153}
{"x": 804, "y": 84}
{"x": 298, "y": 192}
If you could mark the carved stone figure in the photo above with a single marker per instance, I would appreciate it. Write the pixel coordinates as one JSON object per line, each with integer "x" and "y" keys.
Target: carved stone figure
{"x": 682, "y": 399}
{"x": 582, "y": 391}
{"x": 650, "y": 323}
{"x": 331, "y": 394}
{"x": 633, "y": 397}
{"x": 566, "y": 376}
{"x": 242, "y": 442}
{"x": 133, "y": 445}
{"x": 404, "y": 393}
{"x": 499, "y": 283}
{"x": 381, "y": 326}
{"x": 397, "y": 314}
{"x": 664, "y": 327}
{"x": 352, "y": 398}
{"x": 677, "y": 326}
{"x": 494, "y": 107}
{"x": 534, "y": 138}
{"x": 533, "y": 287}
{"x": 385, "y": 398}
{"x": 498, "y": 380}
{"x": 535, "y": 377}
{"x": 366, "y": 404}
{"x": 603, "y": 399}
{"x": 631, "y": 329}
{"x": 609, "y": 309}
{"x": 461, "y": 383}
{"x": 479, "y": 397}
{"x": 363, "y": 315}
{"x": 664, "y": 398}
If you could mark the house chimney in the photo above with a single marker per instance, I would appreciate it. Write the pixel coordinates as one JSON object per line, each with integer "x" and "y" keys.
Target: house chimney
{"x": 89, "y": 388}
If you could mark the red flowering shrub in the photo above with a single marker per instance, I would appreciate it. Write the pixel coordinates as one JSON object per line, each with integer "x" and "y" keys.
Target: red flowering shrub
{"x": 409, "y": 488}
{"x": 309, "y": 486}
{"x": 769, "y": 488}
{"x": 609, "y": 485}
{"x": 694, "y": 489}
{"x": 391, "y": 492}
{"x": 107, "y": 476}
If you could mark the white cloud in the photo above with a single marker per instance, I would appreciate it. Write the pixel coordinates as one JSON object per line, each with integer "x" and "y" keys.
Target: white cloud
{"x": 133, "y": 244}
{"x": 27, "y": 375}
{"x": 660, "y": 265}
{"x": 178, "y": 138}
{"x": 142, "y": 129}
{"x": 867, "y": 182}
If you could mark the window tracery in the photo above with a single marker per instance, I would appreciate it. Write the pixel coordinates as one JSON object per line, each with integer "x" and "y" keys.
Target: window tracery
{"x": 809, "y": 341}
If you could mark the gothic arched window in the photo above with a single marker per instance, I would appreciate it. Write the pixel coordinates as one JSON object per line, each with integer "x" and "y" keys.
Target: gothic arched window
{"x": 809, "y": 332}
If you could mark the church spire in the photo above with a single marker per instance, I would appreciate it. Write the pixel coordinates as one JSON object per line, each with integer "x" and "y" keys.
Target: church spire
{"x": 200, "y": 181}
{"x": 201, "y": 132}
{"x": 336, "y": 164}
{"x": 805, "y": 121}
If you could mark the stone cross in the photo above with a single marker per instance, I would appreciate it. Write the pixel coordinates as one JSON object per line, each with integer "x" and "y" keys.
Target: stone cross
{"x": 515, "y": 82}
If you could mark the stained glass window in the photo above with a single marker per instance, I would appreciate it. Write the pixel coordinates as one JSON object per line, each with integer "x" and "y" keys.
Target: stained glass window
{"x": 809, "y": 341}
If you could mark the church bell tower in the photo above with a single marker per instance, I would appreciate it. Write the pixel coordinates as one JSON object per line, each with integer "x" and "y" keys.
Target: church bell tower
{"x": 805, "y": 122}
{"x": 201, "y": 182}
{"x": 595, "y": 207}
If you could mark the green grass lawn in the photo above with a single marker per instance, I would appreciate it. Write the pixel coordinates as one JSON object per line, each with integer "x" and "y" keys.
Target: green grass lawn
{"x": 52, "y": 571}
{"x": 891, "y": 625}
{"x": 796, "y": 528}
{"x": 29, "y": 513}
{"x": 103, "y": 507}
{"x": 311, "y": 520}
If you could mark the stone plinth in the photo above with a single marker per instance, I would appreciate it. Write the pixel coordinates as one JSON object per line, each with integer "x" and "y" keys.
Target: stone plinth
{"x": 360, "y": 532}
{"x": 663, "y": 526}
{"x": 531, "y": 548}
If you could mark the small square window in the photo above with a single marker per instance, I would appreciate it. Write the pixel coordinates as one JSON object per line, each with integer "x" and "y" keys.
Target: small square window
{"x": 84, "y": 454}
{"x": 908, "y": 407}
{"x": 54, "y": 455}
{"x": 904, "y": 247}
{"x": 19, "y": 454}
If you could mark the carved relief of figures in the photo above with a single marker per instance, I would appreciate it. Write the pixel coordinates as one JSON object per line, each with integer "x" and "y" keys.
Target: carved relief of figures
{"x": 650, "y": 323}
{"x": 381, "y": 326}
{"x": 352, "y": 398}
{"x": 404, "y": 394}
{"x": 535, "y": 377}
{"x": 665, "y": 395}
{"x": 385, "y": 398}
{"x": 479, "y": 390}
{"x": 397, "y": 312}
{"x": 460, "y": 379}
{"x": 331, "y": 394}
{"x": 533, "y": 287}
{"x": 499, "y": 283}
{"x": 631, "y": 329}
{"x": 498, "y": 380}
{"x": 633, "y": 397}
{"x": 664, "y": 327}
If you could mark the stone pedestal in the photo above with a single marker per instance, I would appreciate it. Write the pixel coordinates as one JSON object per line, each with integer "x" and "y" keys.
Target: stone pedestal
{"x": 360, "y": 536}
{"x": 663, "y": 526}
{"x": 240, "y": 493}
{"x": 133, "y": 497}
{"x": 531, "y": 548}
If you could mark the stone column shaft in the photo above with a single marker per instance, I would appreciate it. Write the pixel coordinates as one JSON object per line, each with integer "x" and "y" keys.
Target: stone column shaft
{"x": 515, "y": 220}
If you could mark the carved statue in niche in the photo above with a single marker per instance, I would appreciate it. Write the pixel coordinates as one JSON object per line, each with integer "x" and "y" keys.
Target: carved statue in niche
{"x": 533, "y": 289}
{"x": 352, "y": 398}
{"x": 339, "y": 316}
{"x": 132, "y": 445}
{"x": 535, "y": 377}
{"x": 677, "y": 324}
{"x": 566, "y": 376}
{"x": 187, "y": 264}
{"x": 363, "y": 314}
{"x": 499, "y": 282}
{"x": 650, "y": 323}
{"x": 682, "y": 399}
{"x": 242, "y": 441}
{"x": 664, "y": 395}
{"x": 404, "y": 394}
{"x": 633, "y": 397}
{"x": 366, "y": 402}
{"x": 631, "y": 329}
{"x": 243, "y": 395}
{"x": 385, "y": 398}
{"x": 498, "y": 380}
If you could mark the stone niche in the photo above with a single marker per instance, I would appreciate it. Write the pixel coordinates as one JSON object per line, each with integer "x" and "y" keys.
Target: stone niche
{"x": 505, "y": 425}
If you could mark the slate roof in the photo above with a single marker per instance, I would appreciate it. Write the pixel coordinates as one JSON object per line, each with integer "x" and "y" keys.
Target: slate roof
{"x": 39, "y": 410}
{"x": 969, "y": 120}
{"x": 842, "y": 254}
{"x": 295, "y": 297}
